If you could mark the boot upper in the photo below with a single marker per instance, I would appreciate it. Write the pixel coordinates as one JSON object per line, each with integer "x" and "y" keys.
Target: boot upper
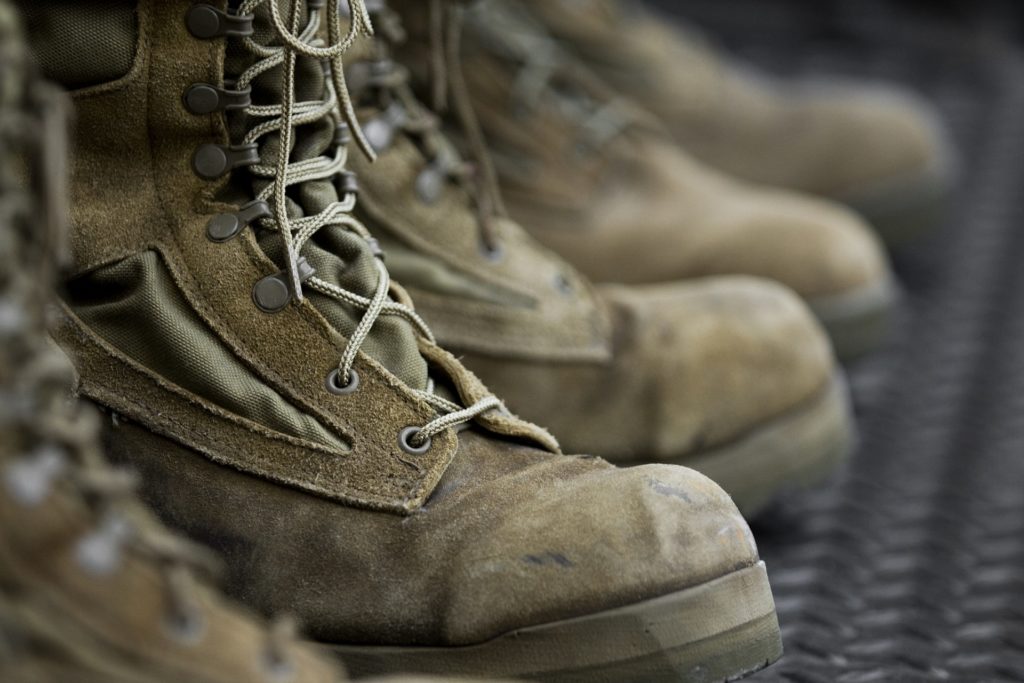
{"x": 600, "y": 181}
{"x": 676, "y": 361}
{"x": 758, "y": 128}
{"x": 230, "y": 404}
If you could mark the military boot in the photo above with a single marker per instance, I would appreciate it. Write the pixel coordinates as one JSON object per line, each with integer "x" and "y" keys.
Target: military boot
{"x": 879, "y": 149}
{"x": 598, "y": 181}
{"x": 92, "y": 588}
{"x": 731, "y": 376}
{"x": 285, "y": 404}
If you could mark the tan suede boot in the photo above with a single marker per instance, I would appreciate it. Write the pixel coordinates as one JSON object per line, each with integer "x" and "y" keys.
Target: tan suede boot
{"x": 92, "y": 588}
{"x": 600, "y": 183}
{"x": 285, "y": 403}
{"x": 731, "y": 375}
{"x": 879, "y": 149}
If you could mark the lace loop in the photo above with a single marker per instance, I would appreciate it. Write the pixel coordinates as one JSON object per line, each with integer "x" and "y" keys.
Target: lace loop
{"x": 478, "y": 178}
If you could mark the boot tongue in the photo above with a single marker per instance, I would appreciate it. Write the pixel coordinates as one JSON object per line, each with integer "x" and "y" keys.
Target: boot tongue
{"x": 339, "y": 256}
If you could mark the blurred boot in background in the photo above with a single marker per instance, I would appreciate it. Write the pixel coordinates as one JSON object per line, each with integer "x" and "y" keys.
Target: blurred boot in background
{"x": 285, "y": 403}
{"x": 731, "y": 376}
{"x": 92, "y": 588}
{"x": 600, "y": 182}
{"x": 879, "y": 149}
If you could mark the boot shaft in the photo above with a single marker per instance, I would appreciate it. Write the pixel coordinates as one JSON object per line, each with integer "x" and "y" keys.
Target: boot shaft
{"x": 191, "y": 305}
{"x": 478, "y": 278}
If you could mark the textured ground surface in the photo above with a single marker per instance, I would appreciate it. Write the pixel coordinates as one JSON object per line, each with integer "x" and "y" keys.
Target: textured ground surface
{"x": 910, "y": 566}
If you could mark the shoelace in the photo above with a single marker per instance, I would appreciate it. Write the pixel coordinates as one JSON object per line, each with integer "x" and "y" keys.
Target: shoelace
{"x": 295, "y": 233}
{"x": 405, "y": 112}
{"x": 512, "y": 36}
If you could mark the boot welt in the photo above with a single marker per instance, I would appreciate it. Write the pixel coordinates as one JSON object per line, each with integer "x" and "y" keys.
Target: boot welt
{"x": 721, "y": 630}
{"x": 793, "y": 452}
{"x": 904, "y": 208}
{"x": 858, "y": 321}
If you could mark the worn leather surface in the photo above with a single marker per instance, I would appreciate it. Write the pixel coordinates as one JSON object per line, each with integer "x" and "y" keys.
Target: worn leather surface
{"x": 491, "y": 529}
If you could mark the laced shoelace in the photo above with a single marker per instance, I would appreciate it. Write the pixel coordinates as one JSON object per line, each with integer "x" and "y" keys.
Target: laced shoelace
{"x": 392, "y": 81}
{"x": 512, "y": 36}
{"x": 282, "y": 119}
{"x": 35, "y": 401}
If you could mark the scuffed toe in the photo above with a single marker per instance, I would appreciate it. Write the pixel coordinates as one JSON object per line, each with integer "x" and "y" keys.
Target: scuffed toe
{"x": 620, "y": 536}
{"x": 711, "y": 360}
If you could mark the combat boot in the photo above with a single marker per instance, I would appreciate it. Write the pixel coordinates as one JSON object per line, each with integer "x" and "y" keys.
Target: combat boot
{"x": 877, "y": 148}
{"x": 92, "y": 588}
{"x": 285, "y": 404}
{"x": 731, "y": 376}
{"x": 599, "y": 181}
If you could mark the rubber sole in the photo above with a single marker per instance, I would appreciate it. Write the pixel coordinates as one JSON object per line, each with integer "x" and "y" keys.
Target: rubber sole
{"x": 796, "y": 451}
{"x": 721, "y": 630}
{"x": 859, "y": 321}
{"x": 905, "y": 208}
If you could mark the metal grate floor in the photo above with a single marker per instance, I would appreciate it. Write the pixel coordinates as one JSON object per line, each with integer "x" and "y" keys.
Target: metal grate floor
{"x": 910, "y": 565}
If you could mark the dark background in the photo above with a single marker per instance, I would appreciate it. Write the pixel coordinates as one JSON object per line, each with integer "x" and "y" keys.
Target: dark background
{"x": 910, "y": 565}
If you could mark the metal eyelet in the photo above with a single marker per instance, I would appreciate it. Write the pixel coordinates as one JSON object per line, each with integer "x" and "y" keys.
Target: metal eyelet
{"x": 273, "y": 292}
{"x": 335, "y": 386}
{"x": 30, "y": 480}
{"x": 342, "y": 135}
{"x": 212, "y": 161}
{"x": 405, "y": 441}
{"x": 277, "y": 668}
{"x": 203, "y": 98}
{"x": 562, "y": 284}
{"x": 430, "y": 184}
{"x": 492, "y": 252}
{"x": 380, "y": 131}
{"x": 347, "y": 183}
{"x": 187, "y": 626}
{"x": 99, "y": 553}
{"x": 206, "y": 22}
{"x": 225, "y": 226}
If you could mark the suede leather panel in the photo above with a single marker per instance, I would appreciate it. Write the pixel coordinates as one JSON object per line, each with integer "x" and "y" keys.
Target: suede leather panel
{"x": 639, "y": 209}
{"x": 229, "y": 439}
{"x": 695, "y": 366}
{"x": 485, "y": 555}
{"x": 789, "y": 135}
{"x": 471, "y": 390}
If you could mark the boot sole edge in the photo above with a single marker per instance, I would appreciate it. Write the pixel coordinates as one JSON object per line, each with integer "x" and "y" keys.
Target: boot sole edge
{"x": 797, "y": 451}
{"x": 859, "y": 321}
{"x": 721, "y": 630}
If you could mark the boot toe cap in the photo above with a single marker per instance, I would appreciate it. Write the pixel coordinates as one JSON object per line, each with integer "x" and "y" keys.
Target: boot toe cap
{"x": 817, "y": 248}
{"x": 719, "y": 358}
{"x": 879, "y": 134}
{"x": 599, "y": 540}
